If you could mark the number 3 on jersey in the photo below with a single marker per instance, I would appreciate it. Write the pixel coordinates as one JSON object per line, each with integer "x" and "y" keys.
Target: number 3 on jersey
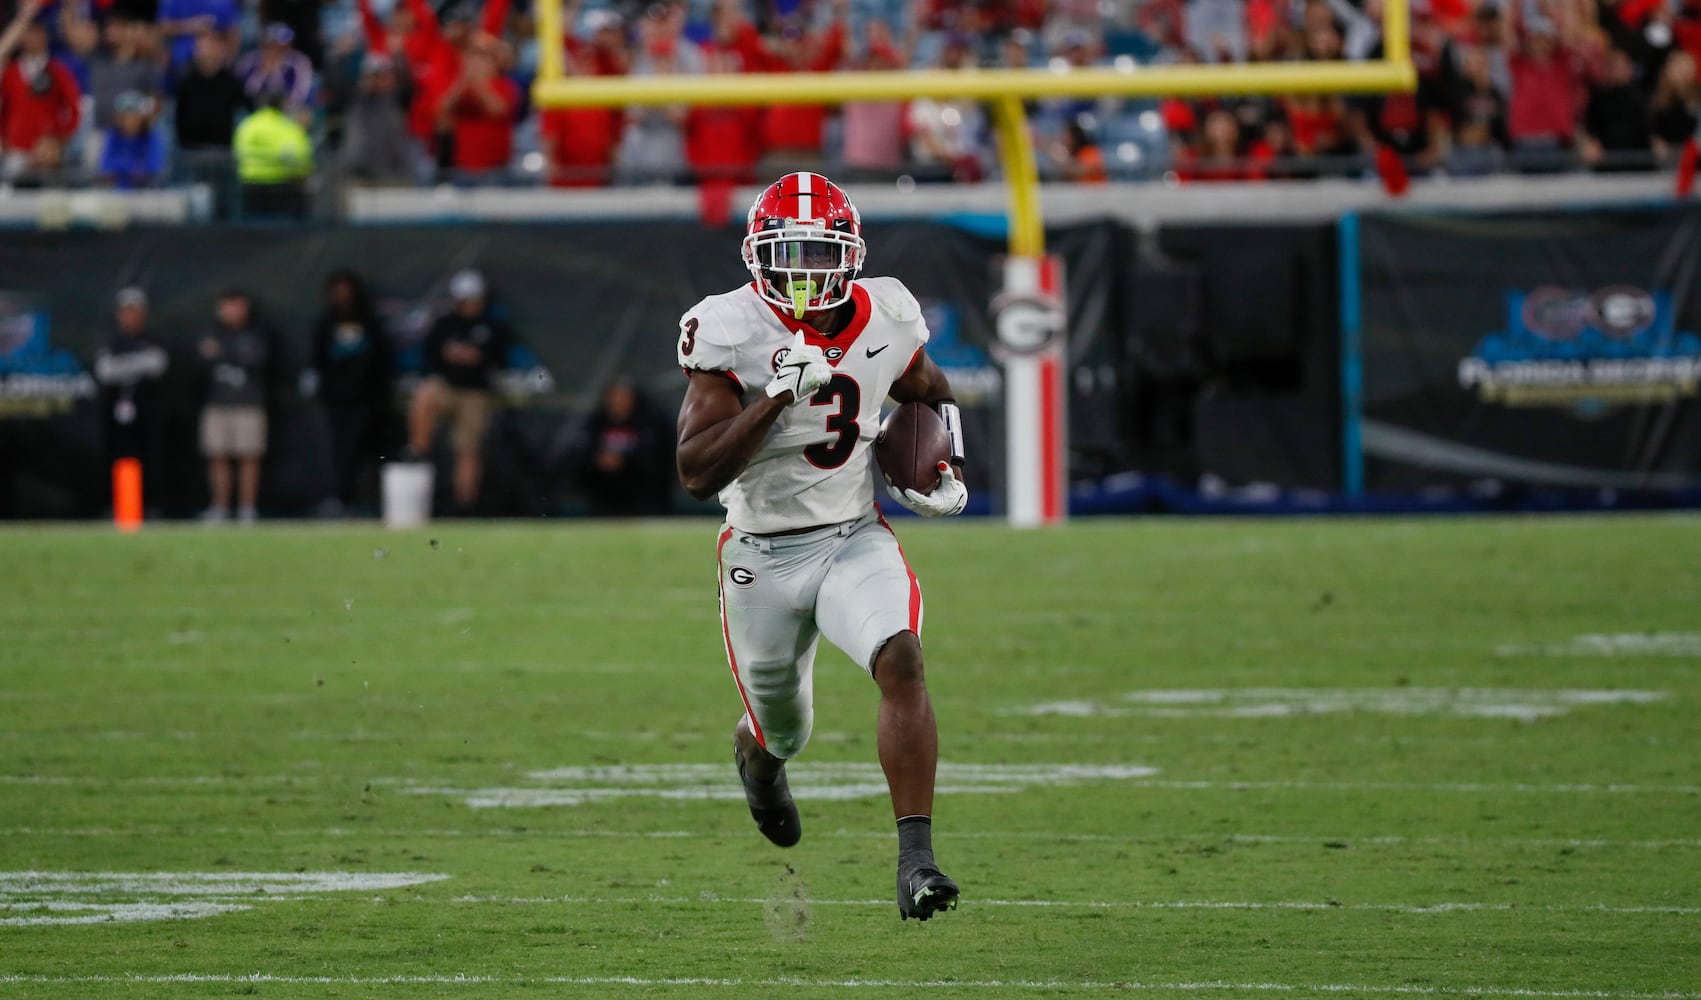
{"x": 844, "y": 392}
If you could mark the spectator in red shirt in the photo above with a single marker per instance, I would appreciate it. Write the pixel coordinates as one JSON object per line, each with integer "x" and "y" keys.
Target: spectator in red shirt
{"x": 1547, "y": 95}
{"x": 433, "y": 52}
{"x": 579, "y": 143}
{"x": 989, "y": 16}
{"x": 792, "y": 133}
{"x": 1318, "y": 124}
{"x": 38, "y": 108}
{"x": 723, "y": 144}
{"x": 1217, "y": 157}
{"x": 479, "y": 109}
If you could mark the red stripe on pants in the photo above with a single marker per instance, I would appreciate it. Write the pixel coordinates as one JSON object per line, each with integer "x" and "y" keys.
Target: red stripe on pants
{"x": 915, "y": 585}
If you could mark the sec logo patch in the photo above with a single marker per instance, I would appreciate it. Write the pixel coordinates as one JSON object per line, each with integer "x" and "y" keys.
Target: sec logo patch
{"x": 741, "y": 577}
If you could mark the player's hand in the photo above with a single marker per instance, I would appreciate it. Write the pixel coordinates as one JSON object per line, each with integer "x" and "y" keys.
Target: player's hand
{"x": 947, "y": 499}
{"x": 804, "y": 370}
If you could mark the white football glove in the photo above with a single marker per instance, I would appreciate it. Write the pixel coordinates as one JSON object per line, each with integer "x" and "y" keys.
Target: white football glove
{"x": 948, "y": 498}
{"x": 804, "y": 370}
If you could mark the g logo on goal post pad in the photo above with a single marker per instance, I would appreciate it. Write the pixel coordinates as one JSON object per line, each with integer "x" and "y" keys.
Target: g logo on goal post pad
{"x": 1028, "y": 314}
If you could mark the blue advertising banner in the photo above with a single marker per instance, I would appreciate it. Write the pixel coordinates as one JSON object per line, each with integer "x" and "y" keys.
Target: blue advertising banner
{"x": 1556, "y": 350}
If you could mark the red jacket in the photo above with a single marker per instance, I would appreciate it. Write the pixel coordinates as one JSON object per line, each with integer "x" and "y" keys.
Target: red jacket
{"x": 792, "y": 127}
{"x": 1546, "y": 97}
{"x": 581, "y": 142}
{"x": 485, "y": 141}
{"x": 27, "y": 117}
{"x": 724, "y": 143}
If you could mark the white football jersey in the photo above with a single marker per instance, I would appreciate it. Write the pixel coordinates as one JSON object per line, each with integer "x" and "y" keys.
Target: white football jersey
{"x": 814, "y": 468}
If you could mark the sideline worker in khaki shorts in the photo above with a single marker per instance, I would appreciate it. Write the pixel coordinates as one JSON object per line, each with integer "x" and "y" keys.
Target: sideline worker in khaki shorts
{"x": 233, "y": 432}
{"x": 236, "y": 355}
{"x": 463, "y": 353}
{"x": 467, "y": 410}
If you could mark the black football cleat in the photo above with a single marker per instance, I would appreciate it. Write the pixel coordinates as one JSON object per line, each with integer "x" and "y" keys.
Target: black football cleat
{"x": 771, "y": 805}
{"x": 924, "y": 890}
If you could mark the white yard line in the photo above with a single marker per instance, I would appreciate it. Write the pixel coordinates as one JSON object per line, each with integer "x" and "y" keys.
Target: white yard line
{"x": 1402, "y": 786}
{"x": 38, "y": 898}
{"x": 1202, "y": 904}
{"x": 805, "y": 983}
{"x": 164, "y": 780}
{"x": 1156, "y": 839}
{"x": 546, "y": 795}
{"x": 17, "y": 883}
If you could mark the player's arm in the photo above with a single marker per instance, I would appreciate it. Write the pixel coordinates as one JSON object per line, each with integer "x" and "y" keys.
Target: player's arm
{"x": 924, "y": 382}
{"x": 718, "y": 434}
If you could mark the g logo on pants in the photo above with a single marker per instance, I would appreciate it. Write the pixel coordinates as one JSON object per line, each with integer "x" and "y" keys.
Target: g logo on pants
{"x": 741, "y": 577}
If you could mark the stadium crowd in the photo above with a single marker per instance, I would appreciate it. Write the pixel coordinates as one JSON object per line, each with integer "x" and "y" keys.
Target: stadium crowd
{"x": 139, "y": 93}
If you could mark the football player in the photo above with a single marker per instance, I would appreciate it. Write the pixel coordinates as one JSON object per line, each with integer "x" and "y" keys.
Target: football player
{"x": 787, "y": 375}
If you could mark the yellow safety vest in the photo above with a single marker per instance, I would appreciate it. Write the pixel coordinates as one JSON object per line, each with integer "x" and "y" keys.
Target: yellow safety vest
{"x": 272, "y": 148}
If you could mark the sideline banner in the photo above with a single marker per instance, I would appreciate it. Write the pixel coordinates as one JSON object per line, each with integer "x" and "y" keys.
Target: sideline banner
{"x": 1552, "y": 350}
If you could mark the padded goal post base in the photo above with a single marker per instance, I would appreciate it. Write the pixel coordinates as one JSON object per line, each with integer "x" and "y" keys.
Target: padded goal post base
{"x": 1034, "y": 350}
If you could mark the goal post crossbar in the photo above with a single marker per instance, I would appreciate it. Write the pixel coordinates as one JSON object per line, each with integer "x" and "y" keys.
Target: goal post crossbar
{"x": 985, "y": 85}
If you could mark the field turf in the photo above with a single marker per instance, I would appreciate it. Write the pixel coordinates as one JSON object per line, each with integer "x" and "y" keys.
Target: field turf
{"x": 1180, "y": 758}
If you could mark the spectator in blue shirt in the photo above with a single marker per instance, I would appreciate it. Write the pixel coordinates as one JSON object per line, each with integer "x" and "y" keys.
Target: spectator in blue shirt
{"x": 181, "y": 20}
{"x": 133, "y": 156}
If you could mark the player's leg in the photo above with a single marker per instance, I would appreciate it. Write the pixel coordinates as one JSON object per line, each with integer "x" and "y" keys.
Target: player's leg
{"x": 908, "y": 737}
{"x": 870, "y": 606}
{"x": 771, "y": 650}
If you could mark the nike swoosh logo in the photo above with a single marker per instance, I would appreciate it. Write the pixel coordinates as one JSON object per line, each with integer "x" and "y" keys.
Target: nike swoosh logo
{"x": 872, "y": 352}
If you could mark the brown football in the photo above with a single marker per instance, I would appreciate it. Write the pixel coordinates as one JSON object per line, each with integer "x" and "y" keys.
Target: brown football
{"x": 911, "y": 445}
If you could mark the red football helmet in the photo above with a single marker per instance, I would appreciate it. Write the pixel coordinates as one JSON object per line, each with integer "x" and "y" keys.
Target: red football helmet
{"x": 803, "y": 243}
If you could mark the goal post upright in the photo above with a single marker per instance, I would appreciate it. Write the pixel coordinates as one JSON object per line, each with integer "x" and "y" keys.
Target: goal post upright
{"x": 1033, "y": 345}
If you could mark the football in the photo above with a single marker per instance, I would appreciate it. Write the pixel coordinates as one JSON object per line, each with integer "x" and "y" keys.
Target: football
{"x": 911, "y": 445}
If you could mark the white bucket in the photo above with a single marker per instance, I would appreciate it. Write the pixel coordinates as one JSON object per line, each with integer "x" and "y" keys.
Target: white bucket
{"x": 407, "y": 494}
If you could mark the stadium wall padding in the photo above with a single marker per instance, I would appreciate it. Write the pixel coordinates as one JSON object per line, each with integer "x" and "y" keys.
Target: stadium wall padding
{"x": 1201, "y": 352}
{"x": 1557, "y": 350}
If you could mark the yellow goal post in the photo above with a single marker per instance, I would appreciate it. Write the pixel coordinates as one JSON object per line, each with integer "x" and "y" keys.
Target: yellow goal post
{"x": 1004, "y": 90}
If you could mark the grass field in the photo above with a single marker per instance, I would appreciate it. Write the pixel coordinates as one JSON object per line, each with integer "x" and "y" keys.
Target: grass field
{"x": 1210, "y": 759}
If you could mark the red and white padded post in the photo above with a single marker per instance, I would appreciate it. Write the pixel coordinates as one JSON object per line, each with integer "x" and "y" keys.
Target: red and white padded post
{"x": 1030, "y": 320}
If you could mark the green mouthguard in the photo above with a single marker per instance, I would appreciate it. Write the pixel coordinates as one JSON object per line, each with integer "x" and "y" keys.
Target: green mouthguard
{"x": 801, "y": 293}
